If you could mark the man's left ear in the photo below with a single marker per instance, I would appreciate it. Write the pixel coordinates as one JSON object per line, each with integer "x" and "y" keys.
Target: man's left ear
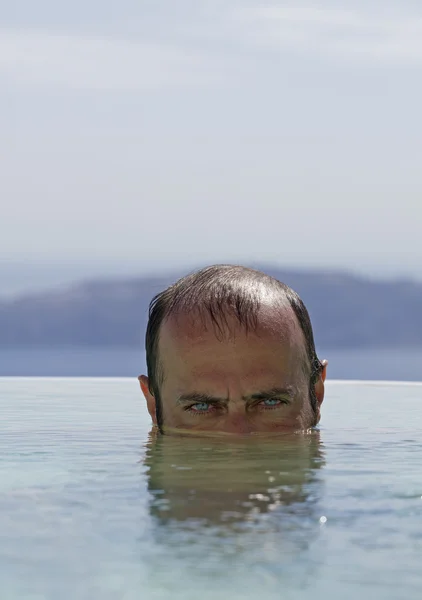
{"x": 319, "y": 385}
{"x": 324, "y": 369}
{"x": 143, "y": 382}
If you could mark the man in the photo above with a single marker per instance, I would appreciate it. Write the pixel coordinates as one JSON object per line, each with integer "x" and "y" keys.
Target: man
{"x": 219, "y": 483}
{"x": 230, "y": 350}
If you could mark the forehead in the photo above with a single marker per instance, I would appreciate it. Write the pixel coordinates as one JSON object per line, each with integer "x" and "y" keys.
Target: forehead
{"x": 191, "y": 346}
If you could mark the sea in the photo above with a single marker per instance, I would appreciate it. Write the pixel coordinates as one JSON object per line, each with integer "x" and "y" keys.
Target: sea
{"x": 397, "y": 364}
{"x": 95, "y": 505}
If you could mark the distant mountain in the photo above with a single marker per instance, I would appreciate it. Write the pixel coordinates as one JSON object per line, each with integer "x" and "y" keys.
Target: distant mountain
{"x": 347, "y": 311}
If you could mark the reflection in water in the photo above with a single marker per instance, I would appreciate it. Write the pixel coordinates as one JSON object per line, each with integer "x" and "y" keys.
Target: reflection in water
{"x": 252, "y": 501}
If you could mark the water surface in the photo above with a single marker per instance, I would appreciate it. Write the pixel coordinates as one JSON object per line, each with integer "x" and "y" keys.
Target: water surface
{"x": 94, "y": 506}
{"x": 398, "y": 364}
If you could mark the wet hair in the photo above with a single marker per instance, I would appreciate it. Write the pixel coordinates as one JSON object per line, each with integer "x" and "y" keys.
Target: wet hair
{"x": 214, "y": 294}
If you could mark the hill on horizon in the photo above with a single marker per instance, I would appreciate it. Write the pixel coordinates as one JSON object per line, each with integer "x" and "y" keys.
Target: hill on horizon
{"x": 347, "y": 311}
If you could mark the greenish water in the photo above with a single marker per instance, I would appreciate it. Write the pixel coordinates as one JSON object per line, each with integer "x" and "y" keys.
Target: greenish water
{"x": 92, "y": 506}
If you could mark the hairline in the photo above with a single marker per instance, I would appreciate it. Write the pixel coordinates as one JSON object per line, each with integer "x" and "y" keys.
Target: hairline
{"x": 246, "y": 290}
{"x": 159, "y": 375}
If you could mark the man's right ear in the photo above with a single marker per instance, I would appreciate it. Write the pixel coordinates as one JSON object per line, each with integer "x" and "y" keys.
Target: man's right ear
{"x": 143, "y": 382}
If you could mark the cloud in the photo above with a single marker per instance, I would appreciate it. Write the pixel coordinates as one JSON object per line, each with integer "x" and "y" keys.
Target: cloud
{"x": 208, "y": 47}
{"x": 379, "y": 37}
{"x": 310, "y": 15}
{"x": 74, "y": 61}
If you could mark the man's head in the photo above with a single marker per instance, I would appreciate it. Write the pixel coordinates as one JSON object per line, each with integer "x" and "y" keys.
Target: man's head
{"x": 231, "y": 350}
{"x": 219, "y": 483}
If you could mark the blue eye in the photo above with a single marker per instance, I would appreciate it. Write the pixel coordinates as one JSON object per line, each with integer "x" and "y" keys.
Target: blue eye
{"x": 271, "y": 402}
{"x": 200, "y": 407}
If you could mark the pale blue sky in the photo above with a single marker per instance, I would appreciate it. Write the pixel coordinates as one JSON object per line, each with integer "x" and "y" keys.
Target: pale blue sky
{"x": 144, "y": 134}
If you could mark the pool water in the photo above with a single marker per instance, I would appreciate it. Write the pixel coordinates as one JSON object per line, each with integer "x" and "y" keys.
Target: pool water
{"x": 93, "y": 505}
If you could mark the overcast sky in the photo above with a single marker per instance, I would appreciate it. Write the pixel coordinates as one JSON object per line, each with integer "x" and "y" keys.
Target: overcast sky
{"x": 153, "y": 133}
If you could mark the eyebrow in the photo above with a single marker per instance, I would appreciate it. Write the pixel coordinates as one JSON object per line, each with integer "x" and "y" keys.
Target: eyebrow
{"x": 197, "y": 397}
{"x": 272, "y": 393}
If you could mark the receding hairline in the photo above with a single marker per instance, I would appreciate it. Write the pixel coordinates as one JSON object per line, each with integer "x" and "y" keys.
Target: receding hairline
{"x": 285, "y": 327}
{"x": 217, "y": 292}
{"x": 268, "y": 316}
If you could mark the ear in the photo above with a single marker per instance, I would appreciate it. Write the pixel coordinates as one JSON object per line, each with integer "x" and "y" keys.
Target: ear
{"x": 143, "y": 382}
{"x": 324, "y": 369}
{"x": 320, "y": 387}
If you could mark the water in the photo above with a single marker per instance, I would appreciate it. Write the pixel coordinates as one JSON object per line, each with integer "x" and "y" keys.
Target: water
{"x": 94, "y": 506}
{"x": 400, "y": 364}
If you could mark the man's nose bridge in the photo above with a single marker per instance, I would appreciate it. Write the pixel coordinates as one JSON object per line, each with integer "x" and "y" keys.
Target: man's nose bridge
{"x": 237, "y": 418}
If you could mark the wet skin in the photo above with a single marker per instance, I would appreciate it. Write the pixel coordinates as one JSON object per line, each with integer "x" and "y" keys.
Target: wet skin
{"x": 237, "y": 383}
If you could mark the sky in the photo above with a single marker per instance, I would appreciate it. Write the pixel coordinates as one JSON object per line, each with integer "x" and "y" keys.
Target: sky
{"x": 146, "y": 135}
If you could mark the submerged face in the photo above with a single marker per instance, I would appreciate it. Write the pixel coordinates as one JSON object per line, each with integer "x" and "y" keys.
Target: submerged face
{"x": 239, "y": 383}
{"x": 217, "y": 482}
